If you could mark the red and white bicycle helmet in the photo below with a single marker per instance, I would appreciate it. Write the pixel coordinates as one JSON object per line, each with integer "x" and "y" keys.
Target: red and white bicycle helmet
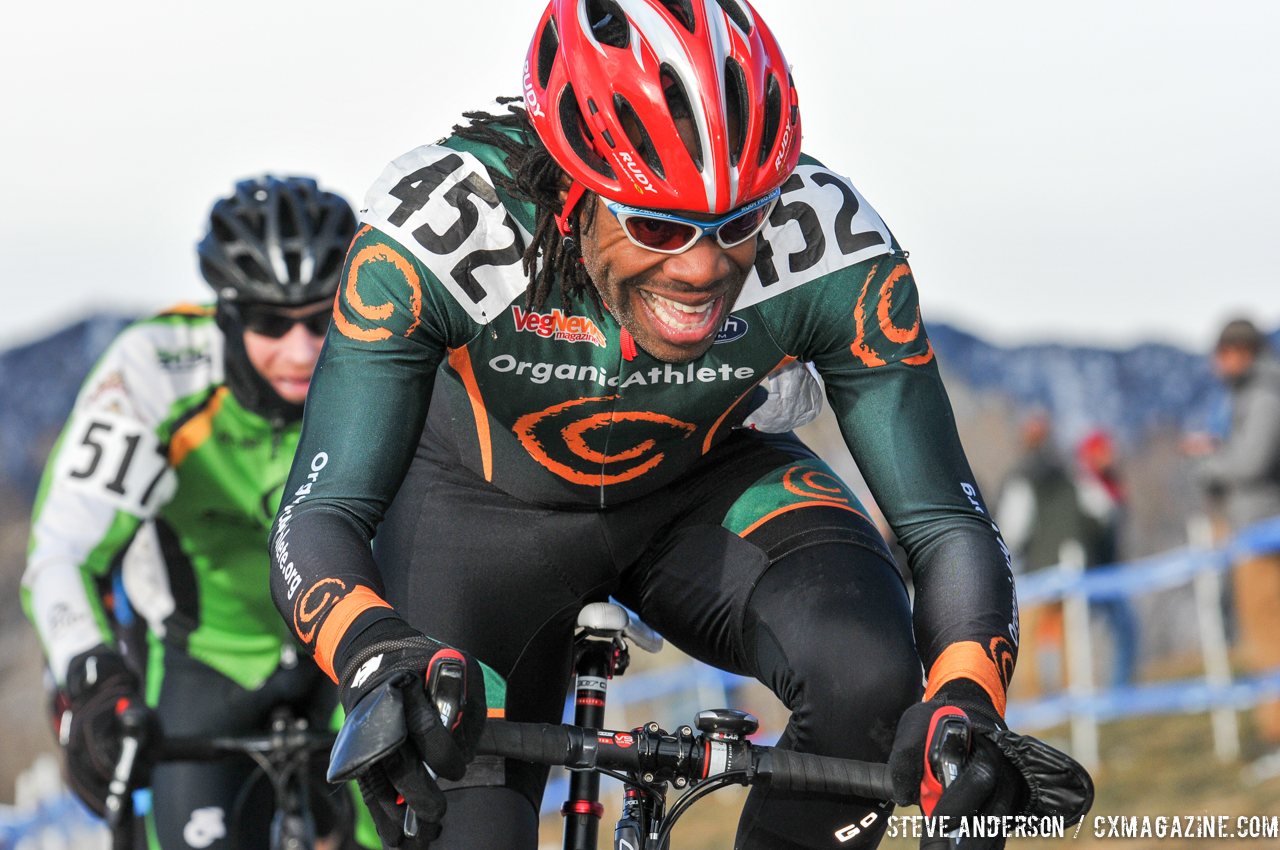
{"x": 663, "y": 104}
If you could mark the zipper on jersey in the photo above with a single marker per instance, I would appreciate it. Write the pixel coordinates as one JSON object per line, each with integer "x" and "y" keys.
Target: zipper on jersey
{"x": 277, "y": 435}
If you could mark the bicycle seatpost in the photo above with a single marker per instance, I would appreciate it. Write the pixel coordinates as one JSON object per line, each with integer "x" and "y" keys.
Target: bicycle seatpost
{"x": 598, "y": 655}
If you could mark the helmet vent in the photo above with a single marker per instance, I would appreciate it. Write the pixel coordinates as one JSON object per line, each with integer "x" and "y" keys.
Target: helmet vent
{"x": 608, "y": 23}
{"x": 735, "y": 102}
{"x": 577, "y": 134}
{"x": 794, "y": 114}
{"x": 250, "y": 268}
{"x": 254, "y": 222}
{"x": 548, "y": 44}
{"x": 639, "y": 137}
{"x": 293, "y": 265}
{"x": 288, "y": 221}
{"x": 221, "y": 232}
{"x": 682, "y": 11}
{"x": 330, "y": 265}
{"x": 772, "y": 118}
{"x": 737, "y": 14}
{"x": 682, "y": 114}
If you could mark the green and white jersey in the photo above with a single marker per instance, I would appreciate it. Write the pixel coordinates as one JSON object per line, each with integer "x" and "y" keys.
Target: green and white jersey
{"x": 159, "y": 460}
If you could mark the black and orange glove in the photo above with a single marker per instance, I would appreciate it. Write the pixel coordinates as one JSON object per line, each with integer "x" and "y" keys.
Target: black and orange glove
{"x": 415, "y": 709}
{"x": 1000, "y": 773}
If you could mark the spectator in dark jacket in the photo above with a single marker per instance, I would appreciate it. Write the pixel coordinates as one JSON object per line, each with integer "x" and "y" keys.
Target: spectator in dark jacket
{"x": 1038, "y": 513}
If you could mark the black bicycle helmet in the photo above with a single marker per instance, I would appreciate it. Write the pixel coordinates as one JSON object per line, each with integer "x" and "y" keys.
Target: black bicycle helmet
{"x": 276, "y": 241}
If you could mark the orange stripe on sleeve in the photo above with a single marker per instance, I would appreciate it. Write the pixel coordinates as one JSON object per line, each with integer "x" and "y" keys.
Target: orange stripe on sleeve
{"x": 967, "y": 660}
{"x": 195, "y": 430}
{"x": 460, "y": 360}
{"x": 344, "y": 613}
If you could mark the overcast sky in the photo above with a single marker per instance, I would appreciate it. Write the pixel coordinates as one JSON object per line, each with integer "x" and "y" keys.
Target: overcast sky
{"x": 1092, "y": 171}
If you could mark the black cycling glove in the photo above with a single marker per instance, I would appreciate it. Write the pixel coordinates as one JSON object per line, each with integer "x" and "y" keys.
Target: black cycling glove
{"x": 415, "y": 709}
{"x": 1002, "y": 773}
{"x": 99, "y": 687}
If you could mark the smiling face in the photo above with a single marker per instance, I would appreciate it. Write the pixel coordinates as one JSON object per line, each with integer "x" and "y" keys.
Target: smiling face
{"x": 673, "y": 304}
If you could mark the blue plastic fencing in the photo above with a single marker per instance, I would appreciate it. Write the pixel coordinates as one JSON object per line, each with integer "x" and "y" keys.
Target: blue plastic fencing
{"x": 57, "y": 821}
{"x": 1148, "y": 575}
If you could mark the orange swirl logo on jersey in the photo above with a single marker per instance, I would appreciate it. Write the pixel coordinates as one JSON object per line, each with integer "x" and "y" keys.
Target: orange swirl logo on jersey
{"x": 894, "y": 334}
{"x": 375, "y": 314}
{"x": 558, "y": 421}
{"x": 812, "y": 483}
{"x": 311, "y": 606}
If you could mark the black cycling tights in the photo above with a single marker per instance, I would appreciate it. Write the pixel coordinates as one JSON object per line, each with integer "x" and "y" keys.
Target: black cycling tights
{"x": 806, "y": 600}
{"x": 228, "y": 805}
{"x": 830, "y": 635}
{"x": 838, "y": 652}
{"x": 827, "y": 628}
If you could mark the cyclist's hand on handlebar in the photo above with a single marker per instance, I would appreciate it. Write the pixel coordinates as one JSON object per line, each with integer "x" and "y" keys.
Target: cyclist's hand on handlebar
{"x": 984, "y": 770}
{"x": 415, "y": 709}
{"x": 942, "y": 761}
{"x": 100, "y": 686}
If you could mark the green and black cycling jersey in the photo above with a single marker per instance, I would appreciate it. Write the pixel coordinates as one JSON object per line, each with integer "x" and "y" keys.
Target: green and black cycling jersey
{"x": 160, "y": 470}
{"x": 432, "y": 330}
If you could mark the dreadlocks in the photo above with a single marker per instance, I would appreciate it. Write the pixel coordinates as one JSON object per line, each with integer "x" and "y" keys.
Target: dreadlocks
{"x": 538, "y": 179}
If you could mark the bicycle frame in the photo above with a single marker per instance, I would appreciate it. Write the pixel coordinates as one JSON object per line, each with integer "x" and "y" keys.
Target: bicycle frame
{"x": 282, "y": 756}
{"x": 648, "y": 759}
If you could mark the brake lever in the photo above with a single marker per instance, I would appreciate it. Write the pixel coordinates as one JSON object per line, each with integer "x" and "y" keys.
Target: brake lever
{"x": 948, "y": 752}
{"x": 133, "y": 724}
{"x": 446, "y": 683}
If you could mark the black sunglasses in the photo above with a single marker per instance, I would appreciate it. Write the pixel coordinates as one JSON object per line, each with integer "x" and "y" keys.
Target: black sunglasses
{"x": 270, "y": 322}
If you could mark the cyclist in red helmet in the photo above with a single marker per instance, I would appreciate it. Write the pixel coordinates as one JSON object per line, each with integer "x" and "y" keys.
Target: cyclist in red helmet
{"x": 551, "y": 378}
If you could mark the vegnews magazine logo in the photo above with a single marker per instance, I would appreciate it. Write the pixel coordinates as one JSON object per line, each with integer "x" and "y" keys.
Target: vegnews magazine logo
{"x": 559, "y": 325}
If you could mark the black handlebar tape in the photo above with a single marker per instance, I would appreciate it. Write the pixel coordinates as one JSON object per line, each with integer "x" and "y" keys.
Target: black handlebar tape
{"x": 808, "y": 773}
{"x": 539, "y": 743}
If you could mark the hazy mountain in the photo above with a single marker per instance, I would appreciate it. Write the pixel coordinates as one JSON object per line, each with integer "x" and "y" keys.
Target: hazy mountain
{"x": 38, "y": 384}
